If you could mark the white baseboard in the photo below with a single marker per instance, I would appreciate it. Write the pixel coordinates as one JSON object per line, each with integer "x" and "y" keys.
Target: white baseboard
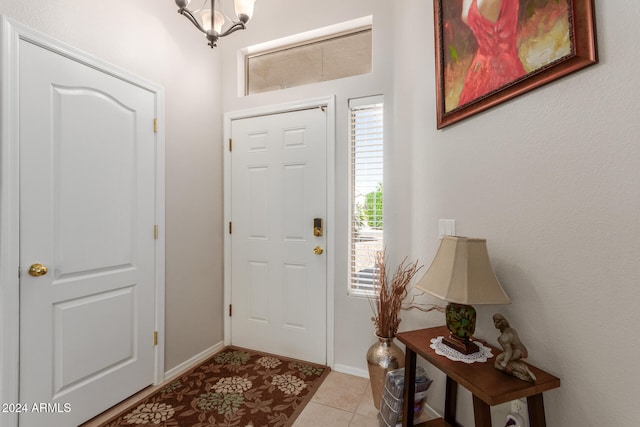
{"x": 188, "y": 364}
{"x": 344, "y": 369}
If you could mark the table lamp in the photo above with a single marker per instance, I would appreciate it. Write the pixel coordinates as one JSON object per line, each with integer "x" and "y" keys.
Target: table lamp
{"x": 462, "y": 275}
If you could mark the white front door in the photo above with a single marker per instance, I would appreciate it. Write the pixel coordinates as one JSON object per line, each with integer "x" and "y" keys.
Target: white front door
{"x": 87, "y": 185}
{"x": 278, "y": 263}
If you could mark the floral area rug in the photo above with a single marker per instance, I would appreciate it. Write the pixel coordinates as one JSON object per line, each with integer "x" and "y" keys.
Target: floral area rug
{"x": 236, "y": 387}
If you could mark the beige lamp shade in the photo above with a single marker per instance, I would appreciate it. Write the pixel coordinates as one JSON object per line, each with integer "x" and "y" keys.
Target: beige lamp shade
{"x": 461, "y": 273}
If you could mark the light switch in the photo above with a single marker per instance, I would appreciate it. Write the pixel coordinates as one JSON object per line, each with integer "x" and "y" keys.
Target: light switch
{"x": 447, "y": 227}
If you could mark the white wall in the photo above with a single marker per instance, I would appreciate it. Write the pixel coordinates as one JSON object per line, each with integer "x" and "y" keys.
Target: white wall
{"x": 550, "y": 179}
{"x": 148, "y": 38}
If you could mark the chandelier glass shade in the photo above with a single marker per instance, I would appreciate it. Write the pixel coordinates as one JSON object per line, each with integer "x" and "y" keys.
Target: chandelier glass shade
{"x": 211, "y": 20}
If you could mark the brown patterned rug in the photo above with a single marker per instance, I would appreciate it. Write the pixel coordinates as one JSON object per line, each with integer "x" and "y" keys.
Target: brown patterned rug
{"x": 235, "y": 387}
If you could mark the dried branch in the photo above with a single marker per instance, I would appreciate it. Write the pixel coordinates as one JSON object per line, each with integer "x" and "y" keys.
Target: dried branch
{"x": 390, "y": 295}
{"x": 411, "y": 305}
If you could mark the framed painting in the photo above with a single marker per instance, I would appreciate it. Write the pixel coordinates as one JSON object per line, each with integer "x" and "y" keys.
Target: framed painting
{"x": 489, "y": 51}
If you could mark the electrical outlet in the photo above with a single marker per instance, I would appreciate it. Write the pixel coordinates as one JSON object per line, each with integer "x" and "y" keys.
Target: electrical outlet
{"x": 519, "y": 413}
{"x": 519, "y": 406}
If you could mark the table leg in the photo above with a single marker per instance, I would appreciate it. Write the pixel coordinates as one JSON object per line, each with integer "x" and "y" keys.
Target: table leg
{"x": 535, "y": 405}
{"x": 481, "y": 413}
{"x": 450, "y": 401}
{"x": 409, "y": 387}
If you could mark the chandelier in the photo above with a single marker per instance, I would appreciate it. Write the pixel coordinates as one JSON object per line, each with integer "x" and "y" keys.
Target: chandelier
{"x": 212, "y": 20}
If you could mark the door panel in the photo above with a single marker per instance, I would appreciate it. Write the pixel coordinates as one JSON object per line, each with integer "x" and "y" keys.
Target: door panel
{"x": 87, "y": 210}
{"x": 279, "y": 287}
{"x": 95, "y": 159}
{"x": 293, "y": 221}
{"x": 74, "y": 325}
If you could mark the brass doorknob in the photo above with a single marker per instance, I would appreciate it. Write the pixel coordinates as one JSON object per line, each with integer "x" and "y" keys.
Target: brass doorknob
{"x": 318, "y": 250}
{"x": 37, "y": 270}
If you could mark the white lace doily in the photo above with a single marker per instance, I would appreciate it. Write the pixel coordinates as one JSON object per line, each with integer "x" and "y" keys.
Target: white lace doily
{"x": 444, "y": 350}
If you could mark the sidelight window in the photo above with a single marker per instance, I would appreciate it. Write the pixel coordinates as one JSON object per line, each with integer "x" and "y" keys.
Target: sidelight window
{"x": 367, "y": 189}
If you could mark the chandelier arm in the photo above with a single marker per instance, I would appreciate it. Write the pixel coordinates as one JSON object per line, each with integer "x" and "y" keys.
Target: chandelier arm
{"x": 235, "y": 27}
{"x": 187, "y": 14}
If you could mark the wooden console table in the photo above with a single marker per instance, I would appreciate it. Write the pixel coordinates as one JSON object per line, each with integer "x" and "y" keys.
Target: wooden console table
{"x": 487, "y": 385}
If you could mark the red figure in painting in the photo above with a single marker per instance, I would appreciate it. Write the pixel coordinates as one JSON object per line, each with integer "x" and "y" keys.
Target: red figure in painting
{"x": 494, "y": 24}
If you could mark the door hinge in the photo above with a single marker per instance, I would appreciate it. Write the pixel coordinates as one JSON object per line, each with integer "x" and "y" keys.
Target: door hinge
{"x": 230, "y": 310}
{"x": 155, "y": 338}
{"x": 155, "y": 125}
{"x": 230, "y": 144}
{"x": 155, "y": 232}
{"x": 230, "y": 227}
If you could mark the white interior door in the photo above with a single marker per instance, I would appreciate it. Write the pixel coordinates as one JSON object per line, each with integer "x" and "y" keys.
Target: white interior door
{"x": 278, "y": 188}
{"x": 87, "y": 194}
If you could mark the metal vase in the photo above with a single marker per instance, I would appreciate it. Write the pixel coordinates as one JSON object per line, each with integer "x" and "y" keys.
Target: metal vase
{"x": 382, "y": 357}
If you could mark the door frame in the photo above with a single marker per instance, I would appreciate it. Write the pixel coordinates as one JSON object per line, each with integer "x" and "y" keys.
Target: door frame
{"x": 329, "y": 104}
{"x": 11, "y": 33}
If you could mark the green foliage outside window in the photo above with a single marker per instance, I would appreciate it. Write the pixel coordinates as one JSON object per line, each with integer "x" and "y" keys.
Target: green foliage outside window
{"x": 373, "y": 208}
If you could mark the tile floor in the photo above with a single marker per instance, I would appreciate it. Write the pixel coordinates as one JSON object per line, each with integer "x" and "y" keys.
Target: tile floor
{"x": 341, "y": 401}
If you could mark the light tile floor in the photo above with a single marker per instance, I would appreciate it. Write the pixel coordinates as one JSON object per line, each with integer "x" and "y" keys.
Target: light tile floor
{"x": 341, "y": 401}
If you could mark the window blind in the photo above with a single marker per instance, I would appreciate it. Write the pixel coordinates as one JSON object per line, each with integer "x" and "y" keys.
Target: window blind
{"x": 367, "y": 188}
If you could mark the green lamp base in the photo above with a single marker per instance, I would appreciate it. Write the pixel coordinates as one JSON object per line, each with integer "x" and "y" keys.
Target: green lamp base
{"x": 461, "y": 322}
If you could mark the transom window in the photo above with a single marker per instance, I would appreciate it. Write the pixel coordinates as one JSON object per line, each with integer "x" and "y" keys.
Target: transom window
{"x": 333, "y": 57}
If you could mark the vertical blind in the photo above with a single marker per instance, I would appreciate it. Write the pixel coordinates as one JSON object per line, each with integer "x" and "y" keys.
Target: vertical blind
{"x": 366, "y": 235}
